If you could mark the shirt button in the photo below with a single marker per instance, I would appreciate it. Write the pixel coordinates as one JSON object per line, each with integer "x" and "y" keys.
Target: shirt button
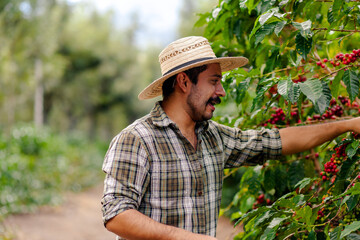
{"x": 200, "y": 193}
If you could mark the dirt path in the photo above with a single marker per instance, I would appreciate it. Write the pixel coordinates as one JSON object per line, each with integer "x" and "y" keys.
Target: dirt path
{"x": 79, "y": 218}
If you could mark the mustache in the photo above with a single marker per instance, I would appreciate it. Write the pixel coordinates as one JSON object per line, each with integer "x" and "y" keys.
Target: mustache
{"x": 214, "y": 100}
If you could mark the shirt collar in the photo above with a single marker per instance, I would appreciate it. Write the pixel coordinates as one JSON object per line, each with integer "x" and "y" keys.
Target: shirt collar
{"x": 160, "y": 119}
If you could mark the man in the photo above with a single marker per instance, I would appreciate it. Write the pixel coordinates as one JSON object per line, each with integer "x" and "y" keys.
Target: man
{"x": 164, "y": 171}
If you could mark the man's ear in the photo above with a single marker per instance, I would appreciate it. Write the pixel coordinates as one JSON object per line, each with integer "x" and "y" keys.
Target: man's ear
{"x": 183, "y": 82}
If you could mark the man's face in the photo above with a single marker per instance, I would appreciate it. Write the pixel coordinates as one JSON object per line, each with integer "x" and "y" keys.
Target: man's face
{"x": 205, "y": 94}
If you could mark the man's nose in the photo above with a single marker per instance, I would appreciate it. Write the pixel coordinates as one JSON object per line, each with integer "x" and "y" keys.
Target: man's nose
{"x": 220, "y": 90}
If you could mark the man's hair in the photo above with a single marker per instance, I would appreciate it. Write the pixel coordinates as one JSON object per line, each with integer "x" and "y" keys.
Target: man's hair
{"x": 169, "y": 84}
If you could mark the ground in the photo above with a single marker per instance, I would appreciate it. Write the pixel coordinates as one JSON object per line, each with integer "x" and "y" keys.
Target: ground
{"x": 79, "y": 218}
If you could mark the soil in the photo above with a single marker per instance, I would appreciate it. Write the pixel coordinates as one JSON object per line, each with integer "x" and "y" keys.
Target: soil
{"x": 79, "y": 218}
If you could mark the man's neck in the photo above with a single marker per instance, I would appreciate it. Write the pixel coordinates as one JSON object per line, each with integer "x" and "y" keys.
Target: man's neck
{"x": 175, "y": 111}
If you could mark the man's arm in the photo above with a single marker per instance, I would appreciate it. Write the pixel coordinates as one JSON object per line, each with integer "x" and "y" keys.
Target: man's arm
{"x": 132, "y": 224}
{"x": 299, "y": 139}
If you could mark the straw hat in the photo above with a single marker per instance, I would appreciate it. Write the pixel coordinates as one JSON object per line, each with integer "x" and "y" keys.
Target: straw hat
{"x": 186, "y": 53}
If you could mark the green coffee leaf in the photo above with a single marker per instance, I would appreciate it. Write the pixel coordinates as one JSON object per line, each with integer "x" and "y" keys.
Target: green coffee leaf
{"x": 283, "y": 88}
{"x": 351, "y": 80}
{"x": 270, "y": 232}
{"x": 303, "y": 183}
{"x": 350, "y": 228}
{"x": 312, "y": 89}
{"x": 335, "y": 235}
{"x": 353, "y": 236}
{"x": 305, "y": 28}
{"x": 303, "y": 45}
{"x": 279, "y": 27}
{"x": 336, "y": 84}
{"x": 263, "y": 31}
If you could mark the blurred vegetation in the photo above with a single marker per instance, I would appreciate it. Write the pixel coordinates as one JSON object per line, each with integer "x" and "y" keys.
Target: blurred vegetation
{"x": 68, "y": 68}
{"x": 37, "y": 165}
{"x": 69, "y": 80}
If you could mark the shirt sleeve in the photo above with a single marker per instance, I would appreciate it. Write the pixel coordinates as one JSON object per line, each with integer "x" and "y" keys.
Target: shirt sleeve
{"x": 126, "y": 167}
{"x": 250, "y": 147}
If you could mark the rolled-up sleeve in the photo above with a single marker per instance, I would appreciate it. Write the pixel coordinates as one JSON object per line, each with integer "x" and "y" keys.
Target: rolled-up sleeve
{"x": 250, "y": 147}
{"x": 126, "y": 166}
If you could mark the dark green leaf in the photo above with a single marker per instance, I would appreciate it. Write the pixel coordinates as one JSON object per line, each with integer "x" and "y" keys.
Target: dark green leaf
{"x": 303, "y": 45}
{"x": 281, "y": 177}
{"x": 283, "y": 88}
{"x": 321, "y": 104}
{"x": 351, "y": 202}
{"x": 246, "y": 203}
{"x": 312, "y": 235}
{"x": 304, "y": 182}
{"x": 351, "y": 80}
{"x": 305, "y": 28}
{"x": 350, "y": 228}
{"x": 342, "y": 175}
{"x": 250, "y": 215}
{"x": 353, "y": 191}
{"x": 335, "y": 235}
{"x": 262, "y": 89}
{"x": 270, "y": 232}
{"x": 353, "y": 236}
{"x": 266, "y": 16}
{"x": 330, "y": 16}
{"x": 279, "y": 27}
{"x": 305, "y": 214}
{"x": 336, "y": 84}
{"x": 296, "y": 173}
{"x": 285, "y": 203}
{"x": 336, "y": 9}
{"x": 269, "y": 179}
{"x": 264, "y": 31}
{"x": 312, "y": 89}
{"x": 294, "y": 92}
{"x": 264, "y": 218}
{"x": 299, "y": 200}
{"x": 352, "y": 148}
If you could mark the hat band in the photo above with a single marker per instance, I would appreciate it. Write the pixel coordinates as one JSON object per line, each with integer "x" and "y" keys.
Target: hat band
{"x": 187, "y": 64}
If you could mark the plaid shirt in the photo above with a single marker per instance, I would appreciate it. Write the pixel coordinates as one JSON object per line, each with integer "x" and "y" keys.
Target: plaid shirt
{"x": 150, "y": 166}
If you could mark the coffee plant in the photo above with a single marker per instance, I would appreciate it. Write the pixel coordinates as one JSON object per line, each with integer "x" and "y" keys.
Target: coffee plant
{"x": 304, "y": 59}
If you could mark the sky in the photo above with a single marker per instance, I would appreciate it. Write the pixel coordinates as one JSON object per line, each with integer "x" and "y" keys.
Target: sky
{"x": 158, "y": 19}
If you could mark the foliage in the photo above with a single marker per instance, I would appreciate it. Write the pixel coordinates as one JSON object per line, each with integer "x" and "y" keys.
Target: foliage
{"x": 85, "y": 70}
{"x": 37, "y": 166}
{"x": 303, "y": 69}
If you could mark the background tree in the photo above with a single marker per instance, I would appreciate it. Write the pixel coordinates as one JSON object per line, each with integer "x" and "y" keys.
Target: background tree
{"x": 304, "y": 68}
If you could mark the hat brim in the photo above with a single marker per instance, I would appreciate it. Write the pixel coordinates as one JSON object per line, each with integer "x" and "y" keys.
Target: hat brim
{"x": 226, "y": 64}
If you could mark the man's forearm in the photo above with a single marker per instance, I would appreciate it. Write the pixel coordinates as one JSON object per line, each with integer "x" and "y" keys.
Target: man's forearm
{"x": 133, "y": 225}
{"x": 299, "y": 139}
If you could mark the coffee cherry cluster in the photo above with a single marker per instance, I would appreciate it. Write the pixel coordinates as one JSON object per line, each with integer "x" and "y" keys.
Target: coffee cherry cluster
{"x": 335, "y": 110}
{"x": 350, "y": 217}
{"x": 299, "y": 79}
{"x": 346, "y": 102}
{"x": 332, "y": 113}
{"x": 261, "y": 201}
{"x": 341, "y": 58}
{"x": 320, "y": 213}
{"x": 331, "y": 167}
{"x": 279, "y": 117}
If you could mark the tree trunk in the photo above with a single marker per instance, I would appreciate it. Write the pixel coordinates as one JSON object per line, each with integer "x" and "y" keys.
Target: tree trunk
{"x": 39, "y": 94}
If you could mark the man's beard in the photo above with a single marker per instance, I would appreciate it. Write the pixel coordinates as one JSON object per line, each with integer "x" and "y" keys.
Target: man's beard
{"x": 199, "y": 116}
